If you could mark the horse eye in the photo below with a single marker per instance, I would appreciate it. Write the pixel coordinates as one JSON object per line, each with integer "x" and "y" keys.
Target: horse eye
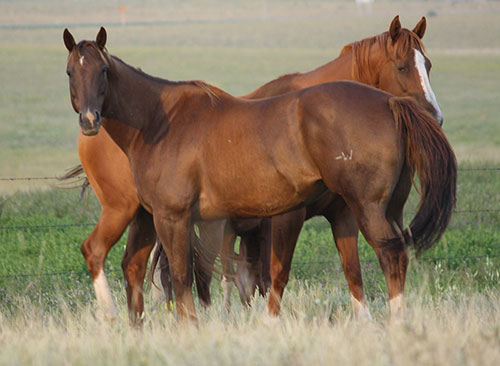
{"x": 68, "y": 73}
{"x": 104, "y": 69}
{"x": 402, "y": 69}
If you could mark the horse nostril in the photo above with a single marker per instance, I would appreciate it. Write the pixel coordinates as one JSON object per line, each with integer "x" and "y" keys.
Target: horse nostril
{"x": 97, "y": 116}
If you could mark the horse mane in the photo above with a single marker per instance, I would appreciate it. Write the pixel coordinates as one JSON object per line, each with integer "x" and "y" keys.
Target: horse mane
{"x": 363, "y": 68}
{"x": 103, "y": 53}
{"x": 213, "y": 92}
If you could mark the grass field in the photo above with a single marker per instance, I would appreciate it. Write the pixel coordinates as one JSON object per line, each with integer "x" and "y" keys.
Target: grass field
{"x": 46, "y": 298}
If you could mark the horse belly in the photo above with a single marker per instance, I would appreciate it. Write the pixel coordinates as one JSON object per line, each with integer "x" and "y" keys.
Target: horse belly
{"x": 257, "y": 196}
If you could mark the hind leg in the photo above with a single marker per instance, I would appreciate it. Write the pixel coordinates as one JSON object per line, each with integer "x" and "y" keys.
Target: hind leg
{"x": 393, "y": 257}
{"x": 108, "y": 171}
{"x": 345, "y": 232}
{"x": 141, "y": 240}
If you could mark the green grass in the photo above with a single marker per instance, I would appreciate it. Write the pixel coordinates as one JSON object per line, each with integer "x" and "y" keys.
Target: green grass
{"x": 467, "y": 257}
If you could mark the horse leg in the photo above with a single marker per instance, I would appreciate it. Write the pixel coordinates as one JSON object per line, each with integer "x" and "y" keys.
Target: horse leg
{"x": 246, "y": 271}
{"x": 141, "y": 240}
{"x": 109, "y": 174}
{"x": 345, "y": 233}
{"x": 211, "y": 236}
{"x": 393, "y": 257}
{"x": 227, "y": 259}
{"x": 265, "y": 234}
{"x": 166, "y": 279}
{"x": 285, "y": 232}
{"x": 161, "y": 274}
{"x": 110, "y": 227}
{"x": 395, "y": 216}
{"x": 173, "y": 230}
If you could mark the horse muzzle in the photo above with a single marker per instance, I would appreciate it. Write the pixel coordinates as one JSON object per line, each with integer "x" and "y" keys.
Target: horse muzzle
{"x": 90, "y": 123}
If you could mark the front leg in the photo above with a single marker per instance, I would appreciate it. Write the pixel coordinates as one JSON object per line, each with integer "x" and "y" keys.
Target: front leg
{"x": 173, "y": 230}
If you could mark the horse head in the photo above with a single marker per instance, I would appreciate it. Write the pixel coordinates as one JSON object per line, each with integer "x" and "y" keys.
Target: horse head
{"x": 405, "y": 71}
{"x": 395, "y": 61}
{"x": 87, "y": 69}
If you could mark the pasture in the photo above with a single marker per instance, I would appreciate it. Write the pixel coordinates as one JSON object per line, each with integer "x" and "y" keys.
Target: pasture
{"x": 46, "y": 298}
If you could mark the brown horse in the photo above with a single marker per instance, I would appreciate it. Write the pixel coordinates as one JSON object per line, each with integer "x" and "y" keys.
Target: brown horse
{"x": 385, "y": 61}
{"x": 393, "y": 61}
{"x": 187, "y": 143}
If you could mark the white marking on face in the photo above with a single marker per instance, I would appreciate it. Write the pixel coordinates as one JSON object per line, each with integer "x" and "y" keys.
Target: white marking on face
{"x": 425, "y": 82}
{"x": 361, "y": 311}
{"x": 90, "y": 117}
{"x": 103, "y": 295}
{"x": 81, "y": 60}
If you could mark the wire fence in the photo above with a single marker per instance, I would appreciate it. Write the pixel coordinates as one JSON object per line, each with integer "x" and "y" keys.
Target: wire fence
{"x": 464, "y": 258}
{"x": 14, "y": 276}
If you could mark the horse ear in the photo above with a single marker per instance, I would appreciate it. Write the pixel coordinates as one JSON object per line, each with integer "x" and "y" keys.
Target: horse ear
{"x": 419, "y": 29}
{"x": 69, "y": 41}
{"x": 101, "y": 38}
{"x": 395, "y": 28}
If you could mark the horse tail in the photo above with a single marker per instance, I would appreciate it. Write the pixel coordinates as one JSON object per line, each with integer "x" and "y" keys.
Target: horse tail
{"x": 77, "y": 174}
{"x": 154, "y": 262}
{"x": 74, "y": 172}
{"x": 429, "y": 154}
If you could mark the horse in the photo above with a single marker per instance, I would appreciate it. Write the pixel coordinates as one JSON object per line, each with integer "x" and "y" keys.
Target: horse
{"x": 394, "y": 61}
{"x": 383, "y": 61}
{"x": 284, "y": 151}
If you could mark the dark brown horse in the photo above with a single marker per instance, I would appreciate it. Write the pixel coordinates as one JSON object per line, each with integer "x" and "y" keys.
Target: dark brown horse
{"x": 187, "y": 143}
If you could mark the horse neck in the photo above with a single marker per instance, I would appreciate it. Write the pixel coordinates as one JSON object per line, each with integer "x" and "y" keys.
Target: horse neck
{"x": 134, "y": 102}
{"x": 338, "y": 69}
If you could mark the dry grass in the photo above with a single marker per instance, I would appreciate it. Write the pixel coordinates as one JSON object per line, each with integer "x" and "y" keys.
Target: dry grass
{"x": 451, "y": 330}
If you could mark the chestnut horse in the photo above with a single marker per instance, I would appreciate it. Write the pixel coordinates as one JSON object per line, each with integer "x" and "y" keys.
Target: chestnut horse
{"x": 393, "y": 61}
{"x": 387, "y": 61}
{"x": 188, "y": 142}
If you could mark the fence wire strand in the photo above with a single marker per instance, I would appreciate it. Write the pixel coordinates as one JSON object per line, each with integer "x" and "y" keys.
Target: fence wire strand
{"x": 81, "y": 273}
{"x": 294, "y": 264}
{"x": 54, "y": 177}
